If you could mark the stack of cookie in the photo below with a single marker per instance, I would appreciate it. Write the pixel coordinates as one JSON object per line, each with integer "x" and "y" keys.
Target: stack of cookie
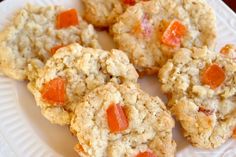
{"x": 96, "y": 93}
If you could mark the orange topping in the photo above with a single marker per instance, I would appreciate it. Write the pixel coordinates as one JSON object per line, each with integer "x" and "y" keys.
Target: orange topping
{"x": 79, "y": 148}
{"x": 234, "y": 133}
{"x": 54, "y": 91}
{"x": 117, "y": 120}
{"x": 67, "y": 18}
{"x": 54, "y": 49}
{"x": 226, "y": 49}
{"x": 213, "y": 76}
{"x": 146, "y": 154}
{"x": 129, "y": 2}
{"x": 173, "y": 34}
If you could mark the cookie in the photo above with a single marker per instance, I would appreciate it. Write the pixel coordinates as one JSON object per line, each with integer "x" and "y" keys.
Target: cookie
{"x": 201, "y": 88}
{"x": 103, "y": 13}
{"x": 72, "y": 72}
{"x": 122, "y": 120}
{"x": 36, "y": 32}
{"x": 150, "y": 32}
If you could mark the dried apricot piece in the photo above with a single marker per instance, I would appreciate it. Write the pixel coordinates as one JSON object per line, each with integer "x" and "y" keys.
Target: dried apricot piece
{"x": 234, "y": 133}
{"x": 54, "y": 49}
{"x": 117, "y": 120}
{"x": 173, "y": 34}
{"x": 213, "y": 76}
{"x": 54, "y": 91}
{"x": 66, "y": 19}
{"x": 146, "y": 154}
{"x": 129, "y": 2}
{"x": 226, "y": 49}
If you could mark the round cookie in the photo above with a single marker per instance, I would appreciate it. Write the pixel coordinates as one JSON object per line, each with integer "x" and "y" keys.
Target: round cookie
{"x": 73, "y": 71}
{"x": 201, "y": 89}
{"x": 150, "y": 32}
{"x": 35, "y": 32}
{"x": 103, "y": 13}
{"x": 148, "y": 130}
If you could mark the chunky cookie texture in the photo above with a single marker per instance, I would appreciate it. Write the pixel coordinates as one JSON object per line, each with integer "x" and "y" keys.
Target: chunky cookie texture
{"x": 149, "y": 129}
{"x": 150, "y": 32}
{"x": 35, "y": 33}
{"x": 72, "y": 72}
{"x": 103, "y": 13}
{"x": 201, "y": 87}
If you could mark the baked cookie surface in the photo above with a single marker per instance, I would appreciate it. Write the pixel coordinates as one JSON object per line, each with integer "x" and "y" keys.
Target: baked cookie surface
{"x": 33, "y": 34}
{"x": 201, "y": 87}
{"x": 147, "y": 129}
{"x": 150, "y": 32}
{"x": 72, "y": 72}
{"x": 103, "y": 13}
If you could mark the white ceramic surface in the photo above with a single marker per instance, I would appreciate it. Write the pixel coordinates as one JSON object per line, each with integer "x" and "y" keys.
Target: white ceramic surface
{"x": 25, "y": 133}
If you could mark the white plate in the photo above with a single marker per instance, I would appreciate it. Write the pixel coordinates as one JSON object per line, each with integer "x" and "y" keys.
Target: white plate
{"x": 25, "y": 133}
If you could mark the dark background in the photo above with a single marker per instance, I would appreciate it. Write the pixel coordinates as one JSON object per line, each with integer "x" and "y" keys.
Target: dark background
{"x": 230, "y": 3}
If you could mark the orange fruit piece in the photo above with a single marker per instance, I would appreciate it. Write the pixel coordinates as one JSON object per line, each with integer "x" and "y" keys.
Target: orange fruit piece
{"x": 66, "y": 19}
{"x": 54, "y": 91}
{"x": 79, "y": 148}
{"x": 146, "y": 154}
{"x": 226, "y": 49}
{"x": 55, "y": 48}
{"x": 173, "y": 34}
{"x": 213, "y": 76}
{"x": 129, "y": 2}
{"x": 234, "y": 133}
{"x": 117, "y": 120}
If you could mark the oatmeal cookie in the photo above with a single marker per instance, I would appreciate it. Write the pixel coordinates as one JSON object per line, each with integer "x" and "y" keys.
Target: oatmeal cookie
{"x": 150, "y": 32}
{"x": 122, "y": 120}
{"x": 73, "y": 71}
{"x": 103, "y": 13}
{"x": 201, "y": 88}
{"x": 35, "y": 33}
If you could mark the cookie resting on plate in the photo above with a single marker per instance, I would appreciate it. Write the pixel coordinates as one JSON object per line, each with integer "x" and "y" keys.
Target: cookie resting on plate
{"x": 202, "y": 94}
{"x": 72, "y": 72}
{"x": 103, "y": 13}
{"x": 150, "y": 32}
{"x": 122, "y": 120}
{"x": 34, "y": 34}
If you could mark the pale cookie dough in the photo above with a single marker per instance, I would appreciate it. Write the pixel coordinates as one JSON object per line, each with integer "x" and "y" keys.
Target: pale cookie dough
{"x": 83, "y": 69}
{"x": 103, "y": 13}
{"x": 207, "y": 115}
{"x": 32, "y": 34}
{"x": 138, "y": 31}
{"x": 150, "y": 124}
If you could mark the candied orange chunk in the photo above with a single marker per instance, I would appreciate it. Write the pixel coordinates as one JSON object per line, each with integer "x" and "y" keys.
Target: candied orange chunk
{"x": 213, "y": 76}
{"x": 226, "y": 49}
{"x": 66, "y": 19}
{"x": 173, "y": 34}
{"x": 146, "y": 154}
{"x": 129, "y": 2}
{"x": 117, "y": 120}
{"x": 54, "y": 91}
{"x": 54, "y": 49}
{"x": 234, "y": 133}
{"x": 79, "y": 148}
